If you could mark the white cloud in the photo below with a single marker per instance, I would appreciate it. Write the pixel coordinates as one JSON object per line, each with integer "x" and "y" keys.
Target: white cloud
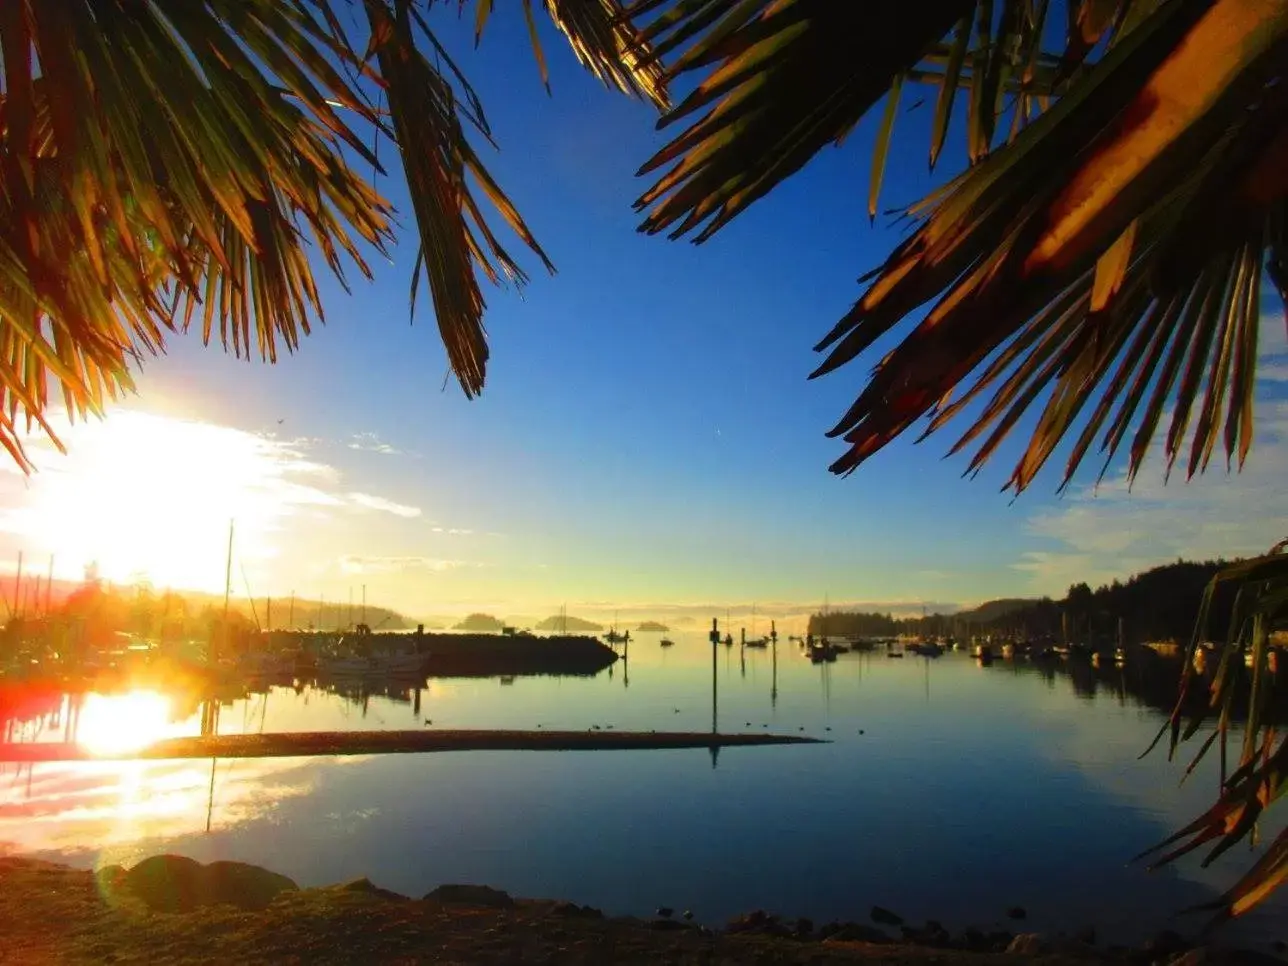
{"x": 378, "y": 503}
{"x": 354, "y": 564}
{"x": 371, "y": 443}
{"x": 145, "y": 493}
{"x": 1095, "y": 534}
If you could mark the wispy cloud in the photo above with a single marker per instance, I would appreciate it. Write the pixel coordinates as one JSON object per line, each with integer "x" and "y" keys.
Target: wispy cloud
{"x": 354, "y": 564}
{"x": 371, "y": 443}
{"x": 1096, "y": 534}
{"x": 379, "y": 504}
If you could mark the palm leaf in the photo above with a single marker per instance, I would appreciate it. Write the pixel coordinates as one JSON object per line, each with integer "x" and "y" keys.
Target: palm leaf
{"x": 175, "y": 163}
{"x": 1257, "y": 594}
{"x": 1157, "y": 214}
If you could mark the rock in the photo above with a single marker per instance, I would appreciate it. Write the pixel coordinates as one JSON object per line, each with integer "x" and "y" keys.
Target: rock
{"x": 176, "y": 883}
{"x": 931, "y": 934}
{"x": 570, "y": 910}
{"x": 804, "y": 928}
{"x": 749, "y": 922}
{"x": 885, "y": 917}
{"x": 483, "y": 897}
{"x": 1017, "y": 912}
{"x": 975, "y": 941}
{"x": 1027, "y": 944}
{"x": 668, "y": 925}
{"x": 246, "y": 886}
{"x": 666, "y": 912}
{"x": 828, "y": 930}
{"x": 110, "y": 879}
{"x": 858, "y": 932}
{"x": 366, "y": 887}
{"x": 166, "y": 883}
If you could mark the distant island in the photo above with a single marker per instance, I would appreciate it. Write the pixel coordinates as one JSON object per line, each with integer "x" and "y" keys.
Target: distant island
{"x": 653, "y": 627}
{"x": 479, "y": 622}
{"x": 559, "y": 622}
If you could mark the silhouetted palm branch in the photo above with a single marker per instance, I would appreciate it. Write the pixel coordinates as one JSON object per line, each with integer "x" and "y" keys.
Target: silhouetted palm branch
{"x": 1103, "y": 259}
{"x": 1259, "y": 592}
{"x": 165, "y": 162}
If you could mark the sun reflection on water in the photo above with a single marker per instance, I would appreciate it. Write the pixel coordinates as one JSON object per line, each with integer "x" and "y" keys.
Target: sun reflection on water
{"x": 121, "y": 723}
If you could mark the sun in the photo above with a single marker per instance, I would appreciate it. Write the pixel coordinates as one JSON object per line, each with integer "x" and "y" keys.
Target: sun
{"x": 144, "y": 494}
{"x": 121, "y": 723}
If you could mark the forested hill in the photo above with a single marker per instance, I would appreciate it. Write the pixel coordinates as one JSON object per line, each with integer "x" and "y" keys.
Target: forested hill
{"x": 1157, "y": 604}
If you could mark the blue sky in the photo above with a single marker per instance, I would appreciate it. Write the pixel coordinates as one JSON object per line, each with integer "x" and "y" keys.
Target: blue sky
{"x": 647, "y": 435}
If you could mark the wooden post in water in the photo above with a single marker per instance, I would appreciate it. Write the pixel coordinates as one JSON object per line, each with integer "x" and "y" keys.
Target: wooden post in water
{"x": 773, "y": 687}
{"x": 715, "y": 642}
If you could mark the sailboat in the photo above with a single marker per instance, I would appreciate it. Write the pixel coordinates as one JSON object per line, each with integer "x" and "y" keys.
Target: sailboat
{"x": 612, "y": 637}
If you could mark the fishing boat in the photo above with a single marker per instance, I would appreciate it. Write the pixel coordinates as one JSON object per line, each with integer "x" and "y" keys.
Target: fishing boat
{"x": 666, "y": 642}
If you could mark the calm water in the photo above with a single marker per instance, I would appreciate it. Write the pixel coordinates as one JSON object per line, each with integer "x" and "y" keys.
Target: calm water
{"x": 948, "y": 791}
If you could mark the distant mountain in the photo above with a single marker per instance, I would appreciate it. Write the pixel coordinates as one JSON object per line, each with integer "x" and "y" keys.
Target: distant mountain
{"x": 991, "y": 610}
{"x": 653, "y": 627}
{"x": 558, "y": 622}
{"x": 479, "y": 622}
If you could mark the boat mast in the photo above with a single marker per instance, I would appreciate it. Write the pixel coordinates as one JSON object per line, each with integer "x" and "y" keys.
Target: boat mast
{"x": 228, "y": 590}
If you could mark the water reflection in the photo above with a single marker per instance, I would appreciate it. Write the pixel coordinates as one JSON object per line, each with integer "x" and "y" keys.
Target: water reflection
{"x": 950, "y": 791}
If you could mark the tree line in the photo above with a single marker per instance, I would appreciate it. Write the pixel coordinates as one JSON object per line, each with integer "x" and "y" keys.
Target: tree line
{"x": 1161, "y": 603}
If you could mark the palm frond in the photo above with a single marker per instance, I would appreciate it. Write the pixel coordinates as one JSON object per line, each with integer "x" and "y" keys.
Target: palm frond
{"x": 1054, "y": 214}
{"x": 1255, "y": 592}
{"x": 603, "y": 40}
{"x": 167, "y": 163}
{"x": 1108, "y": 237}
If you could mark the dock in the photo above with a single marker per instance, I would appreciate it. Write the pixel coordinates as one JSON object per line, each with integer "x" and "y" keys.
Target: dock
{"x": 309, "y": 744}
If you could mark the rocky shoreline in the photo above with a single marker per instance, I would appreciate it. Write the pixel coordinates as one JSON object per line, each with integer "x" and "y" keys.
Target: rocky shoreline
{"x": 175, "y": 910}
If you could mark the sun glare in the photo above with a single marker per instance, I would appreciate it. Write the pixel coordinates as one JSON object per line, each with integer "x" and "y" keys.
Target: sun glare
{"x": 151, "y": 495}
{"x": 118, "y": 724}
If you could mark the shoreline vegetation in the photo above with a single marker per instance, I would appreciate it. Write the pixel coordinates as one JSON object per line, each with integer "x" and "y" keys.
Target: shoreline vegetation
{"x": 326, "y": 743}
{"x": 172, "y": 909}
